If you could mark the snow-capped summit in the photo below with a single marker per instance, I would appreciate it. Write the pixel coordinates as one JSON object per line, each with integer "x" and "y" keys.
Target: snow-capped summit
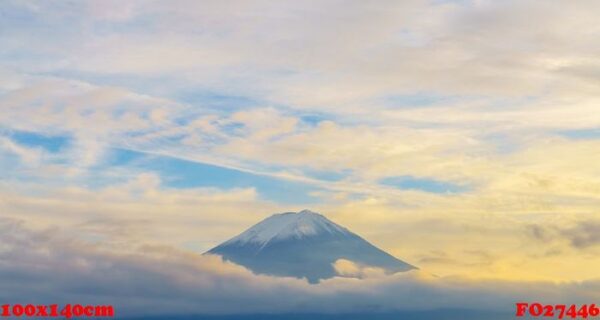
{"x": 303, "y": 244}
{"x": 288, "y": 225}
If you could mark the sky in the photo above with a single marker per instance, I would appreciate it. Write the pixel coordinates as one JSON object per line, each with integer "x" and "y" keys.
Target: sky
{"x": 460, "y": 136}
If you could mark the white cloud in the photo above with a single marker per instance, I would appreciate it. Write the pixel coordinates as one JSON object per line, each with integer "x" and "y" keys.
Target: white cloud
{"x": 29, "y": 156}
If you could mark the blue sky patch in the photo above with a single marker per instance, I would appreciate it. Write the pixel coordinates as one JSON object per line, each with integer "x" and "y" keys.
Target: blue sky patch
{"x": 423, "y": 184}
{"x": 417, "y": 100}
{"x": 314, "y": 119}
{"x": 583, "y": 134}
{"x": 31, "y": 139}
{"x": 330, "y": 176}
{"x": 216, "y": 100}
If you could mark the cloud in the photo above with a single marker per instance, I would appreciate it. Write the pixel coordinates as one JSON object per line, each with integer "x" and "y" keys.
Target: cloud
{"x": 293, "y": 54}
{"x": 291, "y": 61}
{"x": 347, "y": 268}
{"x": 94, "y": 116}
{"x": 29, "y": 156}
{"x": 137, "y": 210}
{"x": 585, "y": 234}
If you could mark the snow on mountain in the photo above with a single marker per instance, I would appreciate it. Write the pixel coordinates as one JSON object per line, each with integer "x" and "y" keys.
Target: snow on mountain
{"x": 304, "y": 245}
{"x": 288, "y": 225}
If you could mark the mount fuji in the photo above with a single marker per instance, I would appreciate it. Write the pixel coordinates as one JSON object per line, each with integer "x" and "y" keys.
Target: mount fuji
{"x": 303, "y": 245}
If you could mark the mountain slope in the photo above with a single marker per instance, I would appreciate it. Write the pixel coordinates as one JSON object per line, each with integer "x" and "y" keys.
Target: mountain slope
{"x": 303, "y": 245}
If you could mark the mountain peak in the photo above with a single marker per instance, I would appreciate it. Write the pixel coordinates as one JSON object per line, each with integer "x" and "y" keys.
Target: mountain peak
{"x": 287, "y": 225}
{"x": 303, "y": 244}
{"x": 307, "y": 211}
